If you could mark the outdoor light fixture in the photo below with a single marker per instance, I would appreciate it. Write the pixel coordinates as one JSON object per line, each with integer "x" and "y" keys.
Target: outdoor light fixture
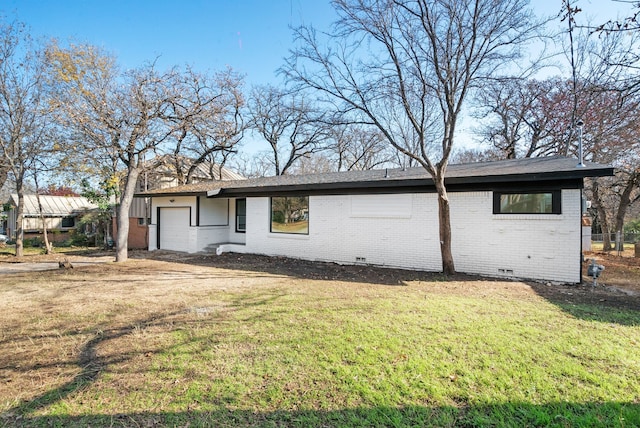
{"x": 580, "y": 125}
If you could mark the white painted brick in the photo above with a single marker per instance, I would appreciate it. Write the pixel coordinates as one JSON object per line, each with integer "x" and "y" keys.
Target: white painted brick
{"x": 544, "y": 247}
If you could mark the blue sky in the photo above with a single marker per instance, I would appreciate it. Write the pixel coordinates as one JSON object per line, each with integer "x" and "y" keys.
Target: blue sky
{"x": 251, "y": 36}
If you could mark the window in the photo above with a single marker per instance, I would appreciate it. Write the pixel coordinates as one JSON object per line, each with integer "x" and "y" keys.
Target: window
{"x": 290, "y": 214}
{"x": 68, "y": 221}
{"x": 241, "y": 215}
{"x": 527, "y": 203}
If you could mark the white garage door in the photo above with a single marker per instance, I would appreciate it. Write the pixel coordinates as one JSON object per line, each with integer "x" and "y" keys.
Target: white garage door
{"x": 174, "y": 229}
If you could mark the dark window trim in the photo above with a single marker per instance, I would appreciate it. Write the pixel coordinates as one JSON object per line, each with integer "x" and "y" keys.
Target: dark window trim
{"x": 556, "y": 201}
{"x": 245, "y": 215}
{"x": 158, "y": 228}
{"x": 198, "y": 211}
{"x": 271, "y": 214}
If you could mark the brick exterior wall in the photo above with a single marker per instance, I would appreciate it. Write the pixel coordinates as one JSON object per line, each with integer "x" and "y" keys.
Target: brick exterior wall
{"x": 543, "y": 247}
{"x": 403, "y": 233}
{"x": 138, "y": 234}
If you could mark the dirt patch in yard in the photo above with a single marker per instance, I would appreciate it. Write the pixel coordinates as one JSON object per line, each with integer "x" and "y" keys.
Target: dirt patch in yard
{"x": 618, "y": 287}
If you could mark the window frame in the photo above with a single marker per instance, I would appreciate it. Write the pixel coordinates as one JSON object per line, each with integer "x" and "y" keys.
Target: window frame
{"x": 306, "y": 233}
{"x": 556, "y": 201}
{"x": 238, "y": 230}
{"x": 68, "y": 218}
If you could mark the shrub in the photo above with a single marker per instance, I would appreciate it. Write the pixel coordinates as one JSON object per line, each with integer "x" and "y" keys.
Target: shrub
{"x": 34, "y": 242}
{"x": 78, "y": 239}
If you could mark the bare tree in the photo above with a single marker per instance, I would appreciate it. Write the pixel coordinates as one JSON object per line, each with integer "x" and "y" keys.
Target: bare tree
{"x": 4, "y": 173}
{"x": 512, "y": 116}
{"x": 538, "y": 124}
{"x": 403, "y": 65}
{"x": 317, "y": 163}
{"x": 630, "y": 23}
{"x": 626, "y": 61}
{"x": 207, "y": 122}
{"x": 125, "y": 119}
{"x": 252, "y": 165}
{"x": 119, "y": 119}
{"x": 357, "y": 147}
{"x": 290, "y": 124}
{"x": 612, "y": 135}
{"x": 25, "y": 114}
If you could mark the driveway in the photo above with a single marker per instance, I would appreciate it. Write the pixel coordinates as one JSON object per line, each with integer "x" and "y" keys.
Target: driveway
{"x": 18, "y": 267}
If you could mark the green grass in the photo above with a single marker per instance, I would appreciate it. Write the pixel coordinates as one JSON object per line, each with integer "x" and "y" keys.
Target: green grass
{"x": 301, "y": 227}
{"x": 321, "y": 353}
{"x": 10, "y": 250}
{"x": 597, "y": 246}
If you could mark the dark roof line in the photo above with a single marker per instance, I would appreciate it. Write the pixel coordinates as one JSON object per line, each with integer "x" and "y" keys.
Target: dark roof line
{"x": 498, "y": 172}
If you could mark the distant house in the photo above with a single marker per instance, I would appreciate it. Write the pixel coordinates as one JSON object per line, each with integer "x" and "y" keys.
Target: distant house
{"x": 3, "y": 222}
{"x": 61, "y": 214}
{"x": 168, "y": 171}
{"x": 515, "y": 218}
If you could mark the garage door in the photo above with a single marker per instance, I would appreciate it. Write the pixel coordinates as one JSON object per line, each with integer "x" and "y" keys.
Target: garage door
{"x": 174, "y": 229}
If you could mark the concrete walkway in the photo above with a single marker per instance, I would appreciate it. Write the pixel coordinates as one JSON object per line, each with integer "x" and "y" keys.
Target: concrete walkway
{"x": 13, "y": 267}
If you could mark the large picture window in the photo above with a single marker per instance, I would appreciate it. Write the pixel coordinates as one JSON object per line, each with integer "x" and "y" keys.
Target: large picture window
{"x": 527, "y": 203}
{"x": 290, "y": 214}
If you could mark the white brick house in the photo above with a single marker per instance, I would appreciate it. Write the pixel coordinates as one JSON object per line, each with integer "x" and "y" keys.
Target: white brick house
{"x": 515, "y": 218}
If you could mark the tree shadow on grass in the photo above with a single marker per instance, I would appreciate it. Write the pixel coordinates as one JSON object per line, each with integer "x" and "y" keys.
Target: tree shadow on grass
{"x": 91, "y": 366}
{"x": 593, "y": 303}
{"x": 558, "y": 414}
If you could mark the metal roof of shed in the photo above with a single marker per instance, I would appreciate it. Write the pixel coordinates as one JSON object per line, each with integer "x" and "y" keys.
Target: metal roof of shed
{"x": 54, "y": 206}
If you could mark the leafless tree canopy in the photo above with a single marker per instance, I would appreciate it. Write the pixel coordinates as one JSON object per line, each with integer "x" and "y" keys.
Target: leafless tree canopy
{"x": 207, "y": 122}
{"x": 290, "y": 123}
{"x": 406, "y": 67}
{"x": 527, "y": 117}
{"x": 125, "y": 119}
{"x": 26, "y": 131}
{"x": 357, "y": 147}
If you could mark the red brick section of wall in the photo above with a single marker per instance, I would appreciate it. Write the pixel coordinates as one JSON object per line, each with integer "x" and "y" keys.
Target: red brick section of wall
{"x": 138, "y": 234}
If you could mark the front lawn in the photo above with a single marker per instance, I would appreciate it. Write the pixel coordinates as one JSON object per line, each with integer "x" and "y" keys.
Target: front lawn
{"x": 153, "y": 343}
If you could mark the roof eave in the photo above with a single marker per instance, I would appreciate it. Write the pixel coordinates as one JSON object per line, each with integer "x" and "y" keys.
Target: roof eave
{"x": 395, "y": 185}
{"x": 159, "y": 194}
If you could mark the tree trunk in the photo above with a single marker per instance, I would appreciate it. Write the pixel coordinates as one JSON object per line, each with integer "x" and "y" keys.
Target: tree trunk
{"x": 444, "y": 220}
{"x": 122, "y": 215}
{"x": 4, "y": 172}
{"x": 45, "y": 235}
{"x": 625, "y": 201}
{"x": 606, "y": 231}
{"x": 602, "y": 217}
{"x": 20, "y": 221}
